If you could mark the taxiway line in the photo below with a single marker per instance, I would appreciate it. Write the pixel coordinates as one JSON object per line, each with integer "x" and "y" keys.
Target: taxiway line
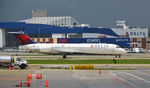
{"x": 121, "y": 80}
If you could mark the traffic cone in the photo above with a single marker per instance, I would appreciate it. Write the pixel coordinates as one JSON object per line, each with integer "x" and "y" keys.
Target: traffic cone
{"x": 99, "y": 72}
{"x": 28, "y": 84}
{"x": 30, "y": 76}
{"x": 21, "y": 83}
{"x": 40, "y": 76}
{"x": 46, "y": 84}
{"x": 10, "y": 67}
{"x": 36, "y": 76}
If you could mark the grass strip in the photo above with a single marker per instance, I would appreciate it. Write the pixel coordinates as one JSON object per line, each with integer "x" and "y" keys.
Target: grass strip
{"x": 107, "y": 61}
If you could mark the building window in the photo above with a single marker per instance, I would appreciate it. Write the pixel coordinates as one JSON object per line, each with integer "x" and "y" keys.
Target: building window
{"x": 148, "y": 41}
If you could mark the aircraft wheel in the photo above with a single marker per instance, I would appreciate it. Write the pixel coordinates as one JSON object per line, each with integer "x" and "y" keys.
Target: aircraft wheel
{"x": 64, "y": 56}
{"x": 22, "y": 66}
{"x": 119, "y": 56}
{"x": 115, "y": 56}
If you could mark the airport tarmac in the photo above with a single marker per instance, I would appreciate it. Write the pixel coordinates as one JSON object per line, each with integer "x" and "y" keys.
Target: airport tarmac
{"x": 24, "y": 54}
{"x": 77, "y": 78}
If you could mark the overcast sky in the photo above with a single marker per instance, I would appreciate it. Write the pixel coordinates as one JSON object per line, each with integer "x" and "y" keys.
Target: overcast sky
{"x": 94, "y": 12}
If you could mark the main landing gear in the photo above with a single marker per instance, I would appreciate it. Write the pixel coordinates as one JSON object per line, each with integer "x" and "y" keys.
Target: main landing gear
{"x": 64, "y": 56}
{"x": 118, "y": 56}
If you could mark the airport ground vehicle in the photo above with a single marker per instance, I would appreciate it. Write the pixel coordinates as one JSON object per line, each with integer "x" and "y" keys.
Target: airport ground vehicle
{"x": 135, "y": 50}
{"x": 7, "y": 61}
{"x": 138, "y": 50}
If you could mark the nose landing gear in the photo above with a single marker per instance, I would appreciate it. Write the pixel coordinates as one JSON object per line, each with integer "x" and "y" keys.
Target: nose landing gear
{"x": 118, "y": 56}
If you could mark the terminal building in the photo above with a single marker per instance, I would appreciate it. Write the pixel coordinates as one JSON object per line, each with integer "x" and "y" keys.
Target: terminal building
{"x": 65, "y": 29}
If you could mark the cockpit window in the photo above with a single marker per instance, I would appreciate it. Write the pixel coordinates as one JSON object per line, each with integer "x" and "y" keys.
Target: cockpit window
{"x": 118, "y": 47}
{"x": 18, "y": 59}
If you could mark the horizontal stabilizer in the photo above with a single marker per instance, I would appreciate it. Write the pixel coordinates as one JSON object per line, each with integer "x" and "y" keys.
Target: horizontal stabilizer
{"x": 19, "y": 32}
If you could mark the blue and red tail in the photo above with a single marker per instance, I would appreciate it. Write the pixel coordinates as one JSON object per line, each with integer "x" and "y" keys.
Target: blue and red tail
{"x": 22, "y": 38}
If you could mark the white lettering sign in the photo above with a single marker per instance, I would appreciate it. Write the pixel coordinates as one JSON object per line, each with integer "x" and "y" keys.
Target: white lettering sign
{"x": 93, "y": 40}
{"x": 137, "y": 34}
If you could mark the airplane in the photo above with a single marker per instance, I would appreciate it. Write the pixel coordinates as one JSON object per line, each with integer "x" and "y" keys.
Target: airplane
{"x": 67, "y": 49}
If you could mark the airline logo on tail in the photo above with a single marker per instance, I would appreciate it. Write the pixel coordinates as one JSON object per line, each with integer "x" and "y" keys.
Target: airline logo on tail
{"x": 22, "y": 38}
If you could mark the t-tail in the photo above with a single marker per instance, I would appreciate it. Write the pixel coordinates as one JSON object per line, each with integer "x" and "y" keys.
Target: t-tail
{"x": 22, "y": 38}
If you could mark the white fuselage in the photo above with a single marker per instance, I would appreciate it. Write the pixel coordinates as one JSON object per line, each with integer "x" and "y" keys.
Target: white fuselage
{"x": 103, "y": 49}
